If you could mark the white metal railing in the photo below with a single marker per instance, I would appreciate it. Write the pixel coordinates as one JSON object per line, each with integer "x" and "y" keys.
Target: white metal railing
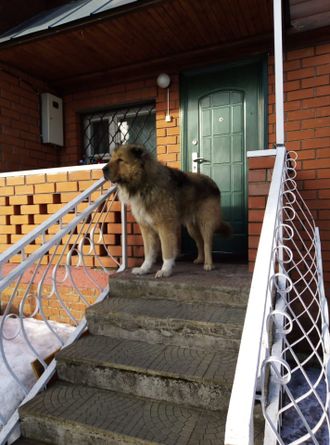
{"x": 284, "y": 353}
{"x": 67, "y": 239}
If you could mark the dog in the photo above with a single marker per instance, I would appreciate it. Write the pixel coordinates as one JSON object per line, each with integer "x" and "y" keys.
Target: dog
{"x": 161, "y": 200}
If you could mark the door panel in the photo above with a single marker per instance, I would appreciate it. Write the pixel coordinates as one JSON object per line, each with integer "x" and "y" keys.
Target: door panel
{"x": 223, "y": 112}
{"x": 221, "y": 125}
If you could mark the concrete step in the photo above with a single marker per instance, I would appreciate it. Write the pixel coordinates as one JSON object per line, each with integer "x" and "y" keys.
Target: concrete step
{"x": 68, "y": 414}
{"x": 181, "y": 323}
{"x": 187, "y": 376}
{"x": 227, "y": 284}
{"x": 23, "y": 441}
{"x": 76, "y": 414}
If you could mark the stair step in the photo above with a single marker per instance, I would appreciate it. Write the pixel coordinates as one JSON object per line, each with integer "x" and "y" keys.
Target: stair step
{"x": 180, "y": 323}
{"x": 194, "y": 377}
{"x": 227, "y": 284}
{"x": 76, "y": 414}
{"x": 156, "y": 369}
{"x": 23, "y": 441}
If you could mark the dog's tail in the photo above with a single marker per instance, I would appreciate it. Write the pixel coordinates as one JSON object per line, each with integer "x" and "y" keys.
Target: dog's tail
{"x": 225, "y": 229}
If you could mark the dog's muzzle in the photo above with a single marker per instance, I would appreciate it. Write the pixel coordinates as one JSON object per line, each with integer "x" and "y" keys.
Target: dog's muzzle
{"x": 109, "y": 174}
{"x": 106, "y": 172}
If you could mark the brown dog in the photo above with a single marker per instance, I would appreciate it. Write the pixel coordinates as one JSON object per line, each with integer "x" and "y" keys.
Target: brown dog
{"x": 163, "y": 198}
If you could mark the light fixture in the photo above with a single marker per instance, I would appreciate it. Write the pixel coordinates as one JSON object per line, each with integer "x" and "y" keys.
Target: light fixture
{"x": 163, "y": 81}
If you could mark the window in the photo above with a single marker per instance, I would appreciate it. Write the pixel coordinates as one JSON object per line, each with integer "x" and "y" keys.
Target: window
{"x": 104, "y": 130}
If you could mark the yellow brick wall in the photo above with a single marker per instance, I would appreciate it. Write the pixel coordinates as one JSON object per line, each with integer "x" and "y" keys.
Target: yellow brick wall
{"x": 27, "y": 200}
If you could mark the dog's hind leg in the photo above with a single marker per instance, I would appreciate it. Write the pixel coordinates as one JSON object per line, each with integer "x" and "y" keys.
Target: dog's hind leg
{"x": 196, "y": 235}
{"x": 168, "y": 239}
{"x": 207, "y": 234}
{"x": 208, "y": 220}
{"x": 151, "y": 249}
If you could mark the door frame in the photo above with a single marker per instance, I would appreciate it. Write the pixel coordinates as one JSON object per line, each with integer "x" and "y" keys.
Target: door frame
{"x": 262, "y": 109}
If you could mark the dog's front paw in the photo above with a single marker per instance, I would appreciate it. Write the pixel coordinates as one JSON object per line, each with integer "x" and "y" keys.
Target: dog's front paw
{"x": 208, "y": 267}
{"x": 163, "y": 273}
{"x": 139, "y": 271}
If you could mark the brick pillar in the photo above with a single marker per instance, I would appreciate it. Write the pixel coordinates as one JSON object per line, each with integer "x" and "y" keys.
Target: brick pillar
{"x": 259, "y": 173}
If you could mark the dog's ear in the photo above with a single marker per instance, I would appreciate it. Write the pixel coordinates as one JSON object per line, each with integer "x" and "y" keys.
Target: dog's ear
{"x": 139, "y": 151}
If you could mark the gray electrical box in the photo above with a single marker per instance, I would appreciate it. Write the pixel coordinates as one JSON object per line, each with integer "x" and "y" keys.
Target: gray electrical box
{"x": 52, "y": 119}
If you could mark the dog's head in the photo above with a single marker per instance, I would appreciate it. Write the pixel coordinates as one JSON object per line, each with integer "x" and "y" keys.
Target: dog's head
{"x": 126, "y": 166}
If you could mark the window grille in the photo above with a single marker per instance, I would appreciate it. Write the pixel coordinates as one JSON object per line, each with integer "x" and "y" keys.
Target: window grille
{"x": 102, "y": 131}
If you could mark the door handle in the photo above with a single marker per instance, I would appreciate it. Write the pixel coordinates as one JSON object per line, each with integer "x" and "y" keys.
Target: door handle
{"x": 196, "y": 161}
{"x": 200, "y": 160}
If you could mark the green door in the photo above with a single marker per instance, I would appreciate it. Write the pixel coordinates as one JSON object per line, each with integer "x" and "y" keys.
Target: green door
{"x": 223, "y": 118}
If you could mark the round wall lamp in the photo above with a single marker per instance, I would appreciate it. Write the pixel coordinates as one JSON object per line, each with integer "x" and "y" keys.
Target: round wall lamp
{"x": 163, "y": 81}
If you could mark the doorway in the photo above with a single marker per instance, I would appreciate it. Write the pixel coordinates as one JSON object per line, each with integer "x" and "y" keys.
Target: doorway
{"x": 223, "y": 117}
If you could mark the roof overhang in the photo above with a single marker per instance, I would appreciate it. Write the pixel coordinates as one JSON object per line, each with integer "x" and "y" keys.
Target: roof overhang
{"x": 136, "y": 36}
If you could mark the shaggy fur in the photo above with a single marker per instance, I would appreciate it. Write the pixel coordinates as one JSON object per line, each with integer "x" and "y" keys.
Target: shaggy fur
{"x": 162, "y": 199}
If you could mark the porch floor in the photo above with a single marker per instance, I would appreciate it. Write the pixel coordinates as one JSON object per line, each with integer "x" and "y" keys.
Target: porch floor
{"x": 187, "y": 270}
{"x": 228, "y": 283}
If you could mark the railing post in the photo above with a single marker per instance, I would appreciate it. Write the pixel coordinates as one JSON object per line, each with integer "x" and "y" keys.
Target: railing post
{"x": 278, "y": 60}
{"x": 124, "y": 259}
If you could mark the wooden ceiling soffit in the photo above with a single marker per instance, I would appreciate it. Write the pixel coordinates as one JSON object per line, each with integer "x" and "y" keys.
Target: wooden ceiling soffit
{"x": 227, "y": 52}
{"x": 160, "y": 29}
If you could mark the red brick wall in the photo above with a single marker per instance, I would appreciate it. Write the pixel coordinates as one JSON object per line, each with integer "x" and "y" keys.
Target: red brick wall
{"x": 307, "y": 125}
{"x": 168, "y": 133}
{"x": 20, "y": 143}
